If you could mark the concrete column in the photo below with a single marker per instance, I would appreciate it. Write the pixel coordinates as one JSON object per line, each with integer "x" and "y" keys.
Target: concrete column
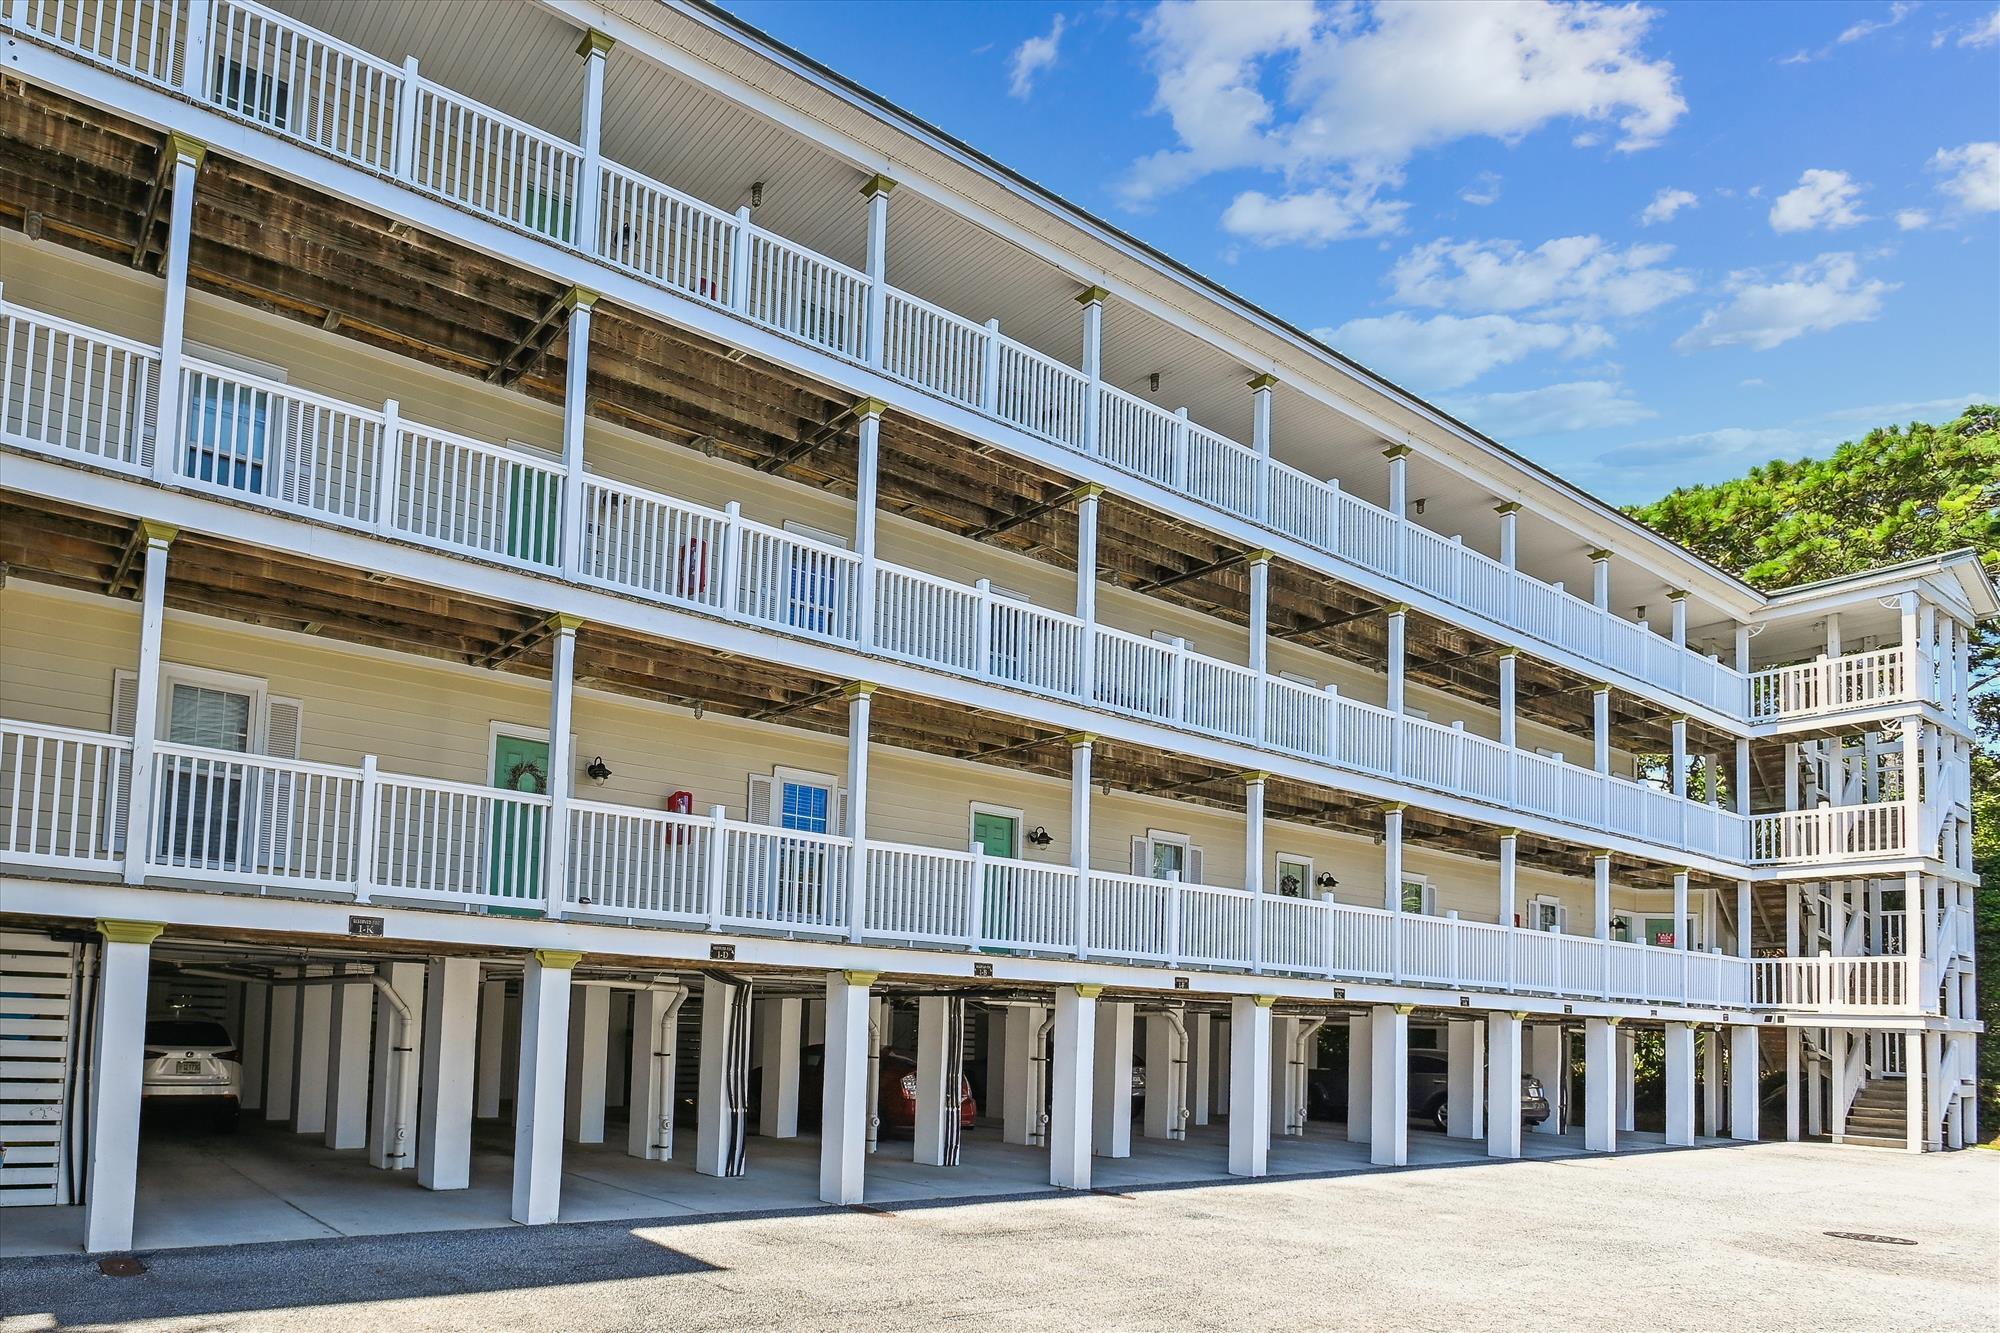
{"x": 589, "y": 1056}
{"x": 1465, "y": 1062}
{"x": 876, "y": 192}
{"x": 538, "y": 1100}
{"x": 843, "y": 1148}
{"x": 444, "y": 1114}
{"x": 937, "y": 1103}
{"x": 1744, "y": 1102}
{"x": 723, "y": 1088}
{"x": 169, "y": 436}
{"x": 858, "y": 695}
{"x": 1111, "y": 1103}
{"x": 867, "y": 482}
{"x": 146, "y": 694}
{"x": 576, "y": 413}
{"x": 1711, "y": 1082}
{"x": 394, "y": 1088}
{"x": 311, "y": 1053}
{"x": 1503, "y": 1084}
{"x": 253, "y": 1039}
{"x": 1201, "y": 1065}
{"x": 656, "y": 1028}
{"x": 562, "y": 762}
{"x": 1548, "y": 1053}
{"x": 489, "y": 1068}
{"x": 1165, "y": 1072}
{"x": 1600, "y": 1085}
{"x": 118, "y": 1060}
{"x": 1918, "y": 1072}
{"x": 618, "y": 1069}
{"x": 1360, "y": 1077}
{"x": 1389, "y": 1100}
{"x": 281, "y": 1065}
{"x": 1072, "y": 1112}
{"x": 1794, "y": 1076}
{"x": 1250, "y": 1084}
{"x": 352, "y": 1010}
{"x": 1680, "y": 1084}
{"x": 1080, "y": 744}
{"x": 1628, "y": 1082}
{"x": 778, "y": 1096}
{"x": 1020, "y": 1109}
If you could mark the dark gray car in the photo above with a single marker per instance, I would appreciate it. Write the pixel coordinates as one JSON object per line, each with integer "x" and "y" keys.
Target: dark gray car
{"x": 1326, "y": 1092}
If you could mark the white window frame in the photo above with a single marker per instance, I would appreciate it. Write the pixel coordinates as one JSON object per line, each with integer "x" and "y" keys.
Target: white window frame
{"x": 1277, "y": 885}
{"x": 1156, "y": 836}
{"x": 200, "y": 677}
{"x": 805, "y": 777}
{"x": 1426, "y": 896}
{"x": 1541, "y": 900}
{"x": 821, "y": 536}
{"x": 978, "y": 808}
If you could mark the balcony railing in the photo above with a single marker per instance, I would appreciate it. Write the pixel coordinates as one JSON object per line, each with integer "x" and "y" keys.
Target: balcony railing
{"x": 291, "y": 79}
{"x": 1830, "y": 834}
{"x": 1829, "y": 685}
{"x": 71, "y": 391}
{"x": 228, "y": 818}
{"x": 1829, "y": 983}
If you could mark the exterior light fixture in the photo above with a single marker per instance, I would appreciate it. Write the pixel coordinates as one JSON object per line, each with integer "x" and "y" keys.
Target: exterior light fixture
{"x": 1418, "y": 504}
{"x": 756, "y": 194}
{"x": 1039, "y": 836}
{"x": 1325, "y": 880}
{"x": 598, "y": 771}
{"x": 1153, "y": 382}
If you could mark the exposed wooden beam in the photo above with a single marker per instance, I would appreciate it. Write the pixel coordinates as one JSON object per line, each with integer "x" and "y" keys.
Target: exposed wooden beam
{"x": 518, "y": 644}
{"x": 1330, "y": 623}
{"x": 826, "y": 430}
{"x": 1030, "y": 514}
{"x": 799, "y": 704}
{"x": 163, "y": 175}
{"x": 135, "y": 550}
{"x": 532, "y": 346}
{"x": 1189, "y": 575}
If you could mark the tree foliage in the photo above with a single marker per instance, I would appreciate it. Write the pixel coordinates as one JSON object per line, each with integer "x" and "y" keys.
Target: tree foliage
{"x": 1898, "y": 493}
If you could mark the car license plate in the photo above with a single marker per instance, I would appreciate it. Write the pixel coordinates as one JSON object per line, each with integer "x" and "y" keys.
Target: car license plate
{"x": 187, "y": 1066}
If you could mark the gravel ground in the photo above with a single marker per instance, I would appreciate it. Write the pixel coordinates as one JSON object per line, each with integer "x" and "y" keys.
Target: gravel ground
{"x": 1720, "y": 1238}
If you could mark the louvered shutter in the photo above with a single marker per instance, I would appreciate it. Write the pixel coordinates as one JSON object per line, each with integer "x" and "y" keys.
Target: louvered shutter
{"x": 840, "y": 824}
{"x": 1193, "y": 864}
{"x": 1142, "y": 856}
{"x": 760, "y": 808}
{"x": 279, "y": 821}
{"x": 124, "y": 715}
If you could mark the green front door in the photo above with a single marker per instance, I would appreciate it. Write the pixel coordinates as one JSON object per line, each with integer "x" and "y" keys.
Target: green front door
{"x": 996, "y": 836}
{"x": 1659, "y": 932}
{"x": 514, "y": 867}
{"x": 534, "y": 513}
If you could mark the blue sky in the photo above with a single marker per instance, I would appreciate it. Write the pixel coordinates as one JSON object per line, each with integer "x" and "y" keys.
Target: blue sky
{"x": 1645, "y": 245}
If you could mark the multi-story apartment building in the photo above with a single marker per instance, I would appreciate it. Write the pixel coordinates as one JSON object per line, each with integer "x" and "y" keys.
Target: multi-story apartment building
{"x": 546, "y": 539}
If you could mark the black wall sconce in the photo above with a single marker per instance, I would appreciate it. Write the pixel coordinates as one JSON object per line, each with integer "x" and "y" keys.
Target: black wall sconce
{"x": 1039, "y": 837}
{"x": 598, "y": 771}
{"x": 1325, "y": 880}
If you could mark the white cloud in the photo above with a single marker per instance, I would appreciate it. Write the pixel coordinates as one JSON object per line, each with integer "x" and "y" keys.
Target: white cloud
{"x": 1980, "y": 32}
{"x": 1736, "y": 445}
{"x": 1356, "y": 90}
{"x": 1034, "y": 56}
{"x": 1482, "y": 190}
{"x": 1752, "y": 383}
{"x": 1313, "y": 217}
{"x": 1565, "y": 277}
{"x": 1912, "y": 219}
{"x": 1971, "y": 176}
{"x": 1446, "y": 351}
{"x": 1665, "y": 204}
{"x": 1821, "y": 199}
{"x": 1807, "y": 298}
{"x": 1854, "y": 32}
{"x": 1555, "y": 409}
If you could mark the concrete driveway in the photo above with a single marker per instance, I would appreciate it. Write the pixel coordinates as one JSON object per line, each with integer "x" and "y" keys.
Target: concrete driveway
{"x": 1726, "y": 1238}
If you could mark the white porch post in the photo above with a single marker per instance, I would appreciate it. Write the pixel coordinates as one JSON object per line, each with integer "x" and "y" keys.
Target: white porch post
{"x": 1744, "y": 1109}
{"x": 1253, "y": 861}
{"x": 1600, "y": 728}
{"x": 867, "y": 481}
{"x": 1020, "y": 1112}
{"x": 589, "y": 1061}
{"x": 1600, "y": 893}
{"x": 937, "y": 1105}
{"x": 1680, "y": 1084}
{"x": 1548, "y": 1051}
{"x": 1503, "y": 1084}
{"x": 188, "y": 155}
{"x": 1710, "y": 1070}
{"x": 1600, "y": 1084}
{"x": 1260, "y": 636}
{"x": 1360, "y": 1077}
{"x": 593, "y": 48}
{"x": 1510, "y": 533}
{"x": 1795, "y": 1040}
{"x": 1739, "y": 789}
{"x": 843, "y": 1151}
{"x": 112, "y": 1180}
{"x": 656, "y": 1027}
{"x": 146, "y": 703}
{"x": 1399, "y": 616}
{"x": 1510, "y": 843}
{"x": 1072, "y": 1110}
{"x": 1087, "y": 498}
{"x": 1743, "y": 922}
{"x": 876, "y": 191}
{"x": 1164, "y": 1095}
{"x": 1918, "y": 1073}
{"x": 858, "y": 695}
{"x": 1679, "y": 757}
{"x": 1250, "y": 1084}
{"x": 256, "y": 1015}
{"x": 1465, "y": 1062}
{"x": 1392, "y": 883}
{"x": 1600, "y": 579}
{"x": 538, "y": 1102}
{"x": 393, "y": 1094}
{"x": 1092, "y": 300}
{"x": 725, "y": 1068}
{"x": 282, "y": 1063}
{"x": 576, "y": 412}
{"x": 1399, "y": 487}
{"x": 562, "y": 766}
{"x": 1201, "y": 1065}
{"x": 1079, "y": 835}
{"x": 1111, "y": 1105}
{"x": 1260, "y": 438}
{"x": 444, "y": 1111}
{"x": 1681, "y": 910}
{"x": 197, "y": 22}
{"x": 1628, "y": 1081}
{"x": 1510, "y": 660}
{"x": 783, "y": 1039}
{"x": 352, "y": 1009}
{"x": 1678, "y": 600}
{"x": 489, "y": 1069}
{"x": 1389, "y": 1104}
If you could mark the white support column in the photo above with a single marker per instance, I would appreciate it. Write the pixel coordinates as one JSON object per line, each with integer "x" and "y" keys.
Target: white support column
{"x": 1250, "y": 1084}
{"x": 1600, "y": 579}
{"x": 1092, "y": 300}
{"x": 1503, "y": 1084}
{"x": 1087, "y": 498}
{"x": 1795, "y": 1073}
{"x": 858, "y": 695}
{"x": 1288, "y": 1091}
{"x": 1260, "y": 438}
{"x": 1253, "y": 861}
{"x": 783, "y": 1039}
{"x": 876, "y": 191}
{"x": 1681, "y": 910}
{"x": 1548, "y": 1060}
{"x": 656, "y": 1030}
{"x": 1260, "y": 634}
{"x": 538, "y": 1101}
{"x": 843, "y": 1148}
{"x": 1628, "y": 1081}
{"x": 937, "y": 1105}
{"x": 1600, "y": 1084}
{"x": 1710, "y": 1043}
{"x": 1744, "y": 1083}
{"x": 593, "y": 49}
{"x": 393, "y": 1092}
{"x": 146, "y": 700}
{"x": 1392, "y": 883}
{"x": 1744, "y": 933}
{"x": 197, "y": 23}
{"x": 1389, "y": 1102}
{"x": 867, "y": 482}
{"x": 1510, "y": 660}
{"x": 1917, "y": 1077}
{"x": 450, "y": 1074}
{"x": 256, "y": 1026}
{"x": 1510, "y": 533}
{"x": 576, "y": 413}
{"x": 1680, "y": 1085}
{"x": 281, "y": 1063}
{"x": 1080, "y": 744}
{"x": 1164, "y": 1070}
{"x": 351, "y": 1008}
{"x": 1399, "y": 486}
{"x": 1360, "y": 1077}
{"x": 489, "y": 1069}
{"x": 1510, "y": 843}
{"x": 722, "y": 1085}
{"x": 188, "y": 155}
{"x": 1465, "y": 1067}
{"x": 1399, "y": 616}
{"x": 1201, "y": 1065}
{"x": 118, "y": 1057}
{"x": 1072, "y": 1109}
{"x": 1600, "y": 728}
{"x": 1020, "y": 1112}
{"x": 1679, "y": 757}
{"x": 1678, "y": 599}
{"x": 1739, "y": 788}
{"x": 589, "y": 1060}
{"x": 562, "y": 765}
{"x": 1600, "y": 894}
{"x": 1111, "y": 1103}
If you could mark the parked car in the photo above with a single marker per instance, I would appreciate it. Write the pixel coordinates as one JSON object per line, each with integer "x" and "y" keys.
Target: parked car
{"x": 1326, "y": 1092}
{"x": 193, "y": 1063}
{"x": 896, "y": 1095}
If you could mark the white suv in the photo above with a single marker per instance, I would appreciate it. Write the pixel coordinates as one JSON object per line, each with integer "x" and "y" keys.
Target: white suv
{"x": 193, "y": 1061}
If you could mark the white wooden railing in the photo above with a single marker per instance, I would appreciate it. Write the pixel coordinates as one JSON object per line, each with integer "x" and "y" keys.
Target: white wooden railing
{"x": 1830, "y": 834}
{"x": 1828, "y": 983}
{"x": 1829, "y": 685}
{"x": 65, "y": 793}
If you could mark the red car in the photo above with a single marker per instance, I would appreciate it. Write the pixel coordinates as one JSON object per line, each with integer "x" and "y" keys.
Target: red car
{"x": 896, "y": 1092}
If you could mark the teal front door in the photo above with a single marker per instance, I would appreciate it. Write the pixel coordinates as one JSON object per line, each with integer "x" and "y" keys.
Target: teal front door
{"x": 996, "y": 835}
{"x": 514, "y": 863}
{"x": 1659, "y": 932}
